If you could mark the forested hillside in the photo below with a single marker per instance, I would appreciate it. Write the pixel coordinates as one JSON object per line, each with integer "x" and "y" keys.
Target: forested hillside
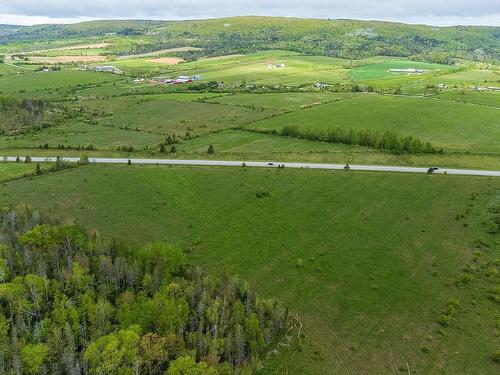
{"x": 73, "y": 302}
{"x": 340, "y": 38}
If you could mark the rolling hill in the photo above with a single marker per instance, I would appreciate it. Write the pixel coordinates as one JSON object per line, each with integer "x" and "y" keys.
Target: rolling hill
{"x": 340, "y": 38}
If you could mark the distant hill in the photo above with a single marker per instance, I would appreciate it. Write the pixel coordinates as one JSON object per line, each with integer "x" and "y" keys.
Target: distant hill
{"x": 6, "y": 30}
{"x": 341, "y": 38}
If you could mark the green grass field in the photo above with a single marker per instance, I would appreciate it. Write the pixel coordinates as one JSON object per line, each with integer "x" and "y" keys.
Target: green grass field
{"x": 477, "y": 77}
{"x": 9, "y": 171}
{"x": 381, "y": 252}
{"x": 242, "y": 142}
{"x": 74, "y": 134}
{"x": 283, "y": 101}
{"x": 454, "y": 126}
{"x": 159, "y": 115}
{"x": 262, "y": 68}
{"x": 41, "y": 81}
{"x": 6, "y": 70}
{"x": 382, "y": 70}
{"x": 469, "y": 96}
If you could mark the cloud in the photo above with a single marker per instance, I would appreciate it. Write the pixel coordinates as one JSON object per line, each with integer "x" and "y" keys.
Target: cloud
{"x": 423, "y": 11}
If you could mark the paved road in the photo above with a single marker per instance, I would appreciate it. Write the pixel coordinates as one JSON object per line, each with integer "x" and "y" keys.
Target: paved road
{"x": 261, "y": 164}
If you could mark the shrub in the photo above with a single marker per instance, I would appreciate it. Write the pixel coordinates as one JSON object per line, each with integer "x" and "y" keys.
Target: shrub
{"x": 445, "y": 320}
{"x": 262, "y": 194}
{"x": 300, "y": 263}
{"x": 495, "y": 357}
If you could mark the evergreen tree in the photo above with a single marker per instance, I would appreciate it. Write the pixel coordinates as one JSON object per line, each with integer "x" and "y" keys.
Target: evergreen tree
{"x": 38, "y": 170}
{"x": 211, "y": 150}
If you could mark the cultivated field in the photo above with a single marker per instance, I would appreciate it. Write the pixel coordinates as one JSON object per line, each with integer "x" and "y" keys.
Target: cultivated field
{"x": 382, "y": 70}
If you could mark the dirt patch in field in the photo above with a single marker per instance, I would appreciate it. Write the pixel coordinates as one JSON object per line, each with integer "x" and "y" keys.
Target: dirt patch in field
{"x": 167, "y": 60}
{"x": 66, "y": 59}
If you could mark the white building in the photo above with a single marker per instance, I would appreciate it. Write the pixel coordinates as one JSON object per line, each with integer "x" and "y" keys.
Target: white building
{"x": 407, "y": 70}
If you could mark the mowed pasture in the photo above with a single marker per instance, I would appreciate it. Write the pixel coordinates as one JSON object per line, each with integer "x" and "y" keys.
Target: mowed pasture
{"x": 381, "y": 70}
{"x": 43, "y": 81}
{"x": 487, "y": 98}
{"x": 380, "y": 253}
{"x": 265, "y": 68}
{"x": 451, "y": 125}
{"x": 471, "y": 77}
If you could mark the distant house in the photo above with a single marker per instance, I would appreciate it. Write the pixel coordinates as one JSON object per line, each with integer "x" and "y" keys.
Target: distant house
{"x": 442, "y": 86}
{"x": 493, "y": 88}
{"x": 320, "y": 85}
{"x": 45, "y": 69}
{"x": 280, "y": 65}
{"x": 107, "y": 69}
{"x": 197, "y": 77}
{"x": 181, "y": 79}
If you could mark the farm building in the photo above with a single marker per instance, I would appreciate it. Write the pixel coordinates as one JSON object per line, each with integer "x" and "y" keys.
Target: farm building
{"x": 107, "y": 69}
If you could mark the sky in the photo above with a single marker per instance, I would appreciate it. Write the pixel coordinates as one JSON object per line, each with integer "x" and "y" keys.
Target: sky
{"x": 432, "y": 12}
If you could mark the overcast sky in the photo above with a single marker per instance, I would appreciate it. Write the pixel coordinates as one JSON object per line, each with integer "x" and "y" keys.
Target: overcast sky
{"x": 434, "y": 12}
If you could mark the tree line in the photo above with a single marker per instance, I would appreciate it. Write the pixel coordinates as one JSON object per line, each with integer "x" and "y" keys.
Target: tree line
{"x": 74, "y": 302}
{"x": 18, "y": 114}
{"x": 385, "y": 140}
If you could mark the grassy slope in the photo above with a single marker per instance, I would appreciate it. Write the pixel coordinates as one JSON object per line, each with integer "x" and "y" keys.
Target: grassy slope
{"x": 243, "y": 33}
{"x": 457, "y": 126}
{"x": 478, "y": 97}
{"x": 368, "y": 301}
{"x": 51, "y": 80}
{"x": 10, "y": 170}
{"x": 254, "y": 69}
{"x": 381, "y": 70}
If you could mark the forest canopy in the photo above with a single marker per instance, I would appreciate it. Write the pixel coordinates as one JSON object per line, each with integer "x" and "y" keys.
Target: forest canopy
{"x": 18, "y": 114}
{"x": 73, "y": 302}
